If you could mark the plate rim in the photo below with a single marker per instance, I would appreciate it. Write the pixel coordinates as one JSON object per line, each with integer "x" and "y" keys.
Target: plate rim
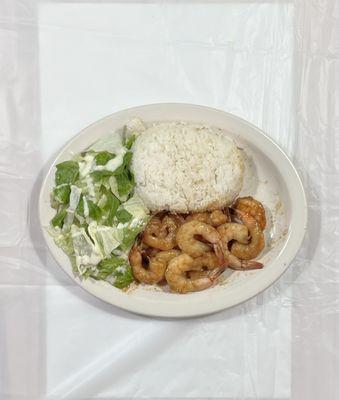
{"x": 177, "y": 312}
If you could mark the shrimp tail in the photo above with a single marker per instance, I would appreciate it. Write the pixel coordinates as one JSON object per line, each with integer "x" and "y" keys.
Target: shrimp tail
{"x": 247, "y": 265}
{"x": 215, "y": 273}
{"x": 217, "y": 247}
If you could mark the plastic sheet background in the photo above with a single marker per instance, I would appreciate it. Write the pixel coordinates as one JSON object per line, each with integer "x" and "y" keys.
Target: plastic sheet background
{"x": 65, "y": 64}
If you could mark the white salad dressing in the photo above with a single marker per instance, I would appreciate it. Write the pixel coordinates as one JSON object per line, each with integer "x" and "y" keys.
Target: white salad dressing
{"x": 114, "y": 163}
{"x": 85, "y": 165}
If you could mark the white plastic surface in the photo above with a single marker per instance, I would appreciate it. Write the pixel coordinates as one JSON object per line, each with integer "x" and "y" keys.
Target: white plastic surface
{"x": 65, "y": 64}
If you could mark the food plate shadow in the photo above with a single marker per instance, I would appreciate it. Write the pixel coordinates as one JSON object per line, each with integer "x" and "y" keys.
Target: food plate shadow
{"x": 312, "y": 235}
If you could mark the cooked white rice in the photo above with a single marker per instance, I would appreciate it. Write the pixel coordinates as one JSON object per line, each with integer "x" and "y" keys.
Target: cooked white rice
{"x": 183, "y": 167}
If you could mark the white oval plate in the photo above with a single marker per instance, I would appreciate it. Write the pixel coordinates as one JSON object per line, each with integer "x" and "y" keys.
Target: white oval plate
{"x": 270, "y": 177}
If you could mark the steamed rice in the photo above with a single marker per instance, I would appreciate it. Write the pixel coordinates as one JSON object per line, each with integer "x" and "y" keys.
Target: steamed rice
{"x": 183, "y": 167}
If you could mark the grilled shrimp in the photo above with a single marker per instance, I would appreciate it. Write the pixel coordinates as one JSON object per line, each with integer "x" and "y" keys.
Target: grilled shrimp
{"x": 204, "y": 264}
{"x": 176, "y": 275}
{"x": 256, "y": 243}
{"x": 238, "y": 232}
{"x": 154, "y": 270}
{"x": 160, "y": 234}
{"x": 254, "y": 208}
{"x": 189, "y": 244}
{"x": 214, "y": 218}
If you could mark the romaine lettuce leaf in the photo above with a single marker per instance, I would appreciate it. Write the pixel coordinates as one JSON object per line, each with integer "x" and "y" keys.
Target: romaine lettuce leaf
{"x": 58, "y": 219}
{"x": 62, "y": 240}
{"x": 136, "y": 207}
{"x": 66, "y": 172}
{"x": 114, "y": 188}
{"x": 103, "y": 157}
{"x": 80, "y": 207}
{"x": 129, "y": 141}
{"x": 61, "y": 193}
{"x": 114, "y": 270}
{"x": 100, "y": 175}
{"x": 74, "y": 198}
{"x": 123, "y": 215}
{"x": 84, "y": 249}
{"x": 94, "y": 211}
{"x": 103, "y": 237}
{"x": 86, "y": 164}
{"x": 125, "y": 183}
{"x": 111, "y": 206}
{"x": 111, "y": 143}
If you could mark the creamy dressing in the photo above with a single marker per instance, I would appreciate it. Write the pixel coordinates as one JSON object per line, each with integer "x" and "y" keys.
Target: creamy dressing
{"x": 85, "y": 166}
{"x": 114, "y": 163}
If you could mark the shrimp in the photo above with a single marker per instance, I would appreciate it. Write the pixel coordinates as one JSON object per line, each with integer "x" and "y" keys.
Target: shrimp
{"x": 254, "y": 208}
{"x": 156, "y": 265}
{"x": 189, "y": 244}
{"x": 238, "y": 232}
{"x": 205, "y": 263}
{"x": 215, "y": 218}
{"x": 207, "y": 260}
{"x": 148, "y": 251}
{"x": 179, "y": 219}
{"x": 179, "y": 282}
{"x": 160, "y": 234}
{"x": 256, "y": 243}
{"x": 166, "y": 256}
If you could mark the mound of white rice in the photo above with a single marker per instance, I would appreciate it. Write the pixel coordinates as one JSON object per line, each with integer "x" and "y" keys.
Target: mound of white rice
{"x": 183, "y": 167}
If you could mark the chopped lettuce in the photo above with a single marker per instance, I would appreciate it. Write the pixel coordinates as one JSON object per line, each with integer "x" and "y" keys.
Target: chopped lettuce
{"x": 114, "y": 188}
{"x": 100, "y": 175}
{"x": 130, "y": 233}
{"x": 59, "y": 217}
{"x": 123, "y": 216}
{"x": 94, "y": 211}
{"x": 111, "y": 143}
{"x": 103, "y": 157}
{"x": 98, "y": 215}
{"x": 66, "y": 172}
{"x": 115, "y": 163}
{"x": 129, "y": 142}
{"x": 136, "y": 207}
{"x": 74, "y": 198}
{"x": 111, "y": 206}
{"x": 85, "y": 251}
{"x": 61, "y": 193}
{"x": 125, "y": 183}
{"x": 63, "y": 240}
{"x": 116, "y": 271}
{"x": 103, "y": 237}
{"x": 86, "y": 164}
{"x": 80, "y": 207}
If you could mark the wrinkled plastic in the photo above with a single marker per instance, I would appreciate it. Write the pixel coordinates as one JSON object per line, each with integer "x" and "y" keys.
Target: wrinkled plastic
{"x": 65, "y": 64}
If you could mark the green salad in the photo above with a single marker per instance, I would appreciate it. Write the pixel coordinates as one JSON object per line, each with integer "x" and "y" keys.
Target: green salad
{"x": 97, "y": 214}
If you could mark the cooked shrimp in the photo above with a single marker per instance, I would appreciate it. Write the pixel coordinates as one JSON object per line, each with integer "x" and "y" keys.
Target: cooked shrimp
{"x": 155, "y": 271}
{"x": 176, "y": 275}
{"x": 254, "y": 208}
{"x": 189, "y": 244}
{"x": 148, "y": 251}
{"x": 207, "y": 260}
{"x": 238, "y": 232}
{"x": 179, "y": 219}
{"x": 166, "y": 256}
{"x": 153, "y": 274}
{"x": 205, "y": 263}
{"x": 256, "y": 243}
{"x": 160, "y": 234}
{"x": 214, "y": 218}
